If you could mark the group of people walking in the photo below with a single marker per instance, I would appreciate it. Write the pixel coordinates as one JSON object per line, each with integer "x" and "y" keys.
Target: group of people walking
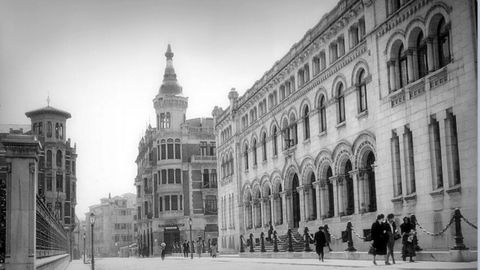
{"x": 384, "y": 233}
{"x": 198, "y": 247}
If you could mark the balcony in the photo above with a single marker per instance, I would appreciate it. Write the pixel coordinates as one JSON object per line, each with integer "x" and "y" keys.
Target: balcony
{"x": 200, "y": 158}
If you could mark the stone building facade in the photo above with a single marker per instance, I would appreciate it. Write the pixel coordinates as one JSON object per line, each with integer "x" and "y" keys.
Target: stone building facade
{"x": 177, "y": 177}
{"x": 114, "y": 225}
{"x": 372, "y": 111}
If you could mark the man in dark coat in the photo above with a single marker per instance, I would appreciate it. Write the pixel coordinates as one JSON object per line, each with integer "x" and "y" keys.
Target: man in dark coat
{"x": 185, "y": 249}
{"x": 378, "y": 232}
{"x": 320, "y": 242}
{"x": 391, "y": 229}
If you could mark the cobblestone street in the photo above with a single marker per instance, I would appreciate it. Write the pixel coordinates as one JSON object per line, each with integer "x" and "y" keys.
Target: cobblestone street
{"x": 235, "y": 263}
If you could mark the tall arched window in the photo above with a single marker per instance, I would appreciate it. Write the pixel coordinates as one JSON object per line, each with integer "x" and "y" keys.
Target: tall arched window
{"x": 293, "y": 130}
{"x": 306, "y": 123}
{"x": 49, "y": 158}
{"x": 230, "y": 162}
{"x": 286, "y": 134}
{"x": 167, "y": 120}
{"x": 274, "y": 138}
{"x": 422, "y": 62}
{"x": 282, "y": 92}
{"x": 57, "y": 130}
{"x": 40, "y": 129}
{"x": 163, "y": 147}
{"x": 323, "y": 114}
{"x": 59, "y": 159}
{"x": 362, "y": 91}
{"x": 245, "y": 156}
{"x": 177, "y": 149}
{"x": 264, "y": 146}
{"x": 443, "y": 38}
{"x": 49, "y": 129}
{"x": 170, "y": 149}
{"x": 254, "y": 146}
{"x": 223, "y": 167}
{"x": 403, "y": 66}
{"x": 341, "y": 103}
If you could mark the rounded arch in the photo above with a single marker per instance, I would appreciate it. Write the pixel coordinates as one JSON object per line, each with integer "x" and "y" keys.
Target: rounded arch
{"x": 305, "y": 102}
{"x": 417, "y": 22}
{"x": 434, "y": 15}
{"x": 320, "y": 92}
{"x": 340, "y": 79}
{"x": 363, "y": 144}
{"x": 273, "y": 125}
{"x": 394, "y": 42}
{"x": 245, "y": 143}
{"x": 307, "y": 167}
{"x": 394, "y": 50}
{"x": 341, "y": 154}
{"x": 253, "y": 139}
{"x": 357, "y": 68}
{"x": 264, "y": 180}
{"x": 288, "y": 174}
{"x": 267, "y": 189}
{"x": 256, "y": 191}
{"x": 413, "y": 34}
{"x": 246, "y": 193}
{"x": 292, "y": 111}
{"x": 262, "y": 131}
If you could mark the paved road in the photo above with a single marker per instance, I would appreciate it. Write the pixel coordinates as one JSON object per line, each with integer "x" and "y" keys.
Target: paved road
{"x": 235, "y": 263}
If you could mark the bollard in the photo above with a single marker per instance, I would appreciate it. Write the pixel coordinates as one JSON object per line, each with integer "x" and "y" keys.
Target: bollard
{"x": 413, "y": 220}
{"x": 275, "y": 242}
{"x": 350, "y": 238}
{"x": 242, "y": 248}
{"x": 459, "y": 245}
{"x": 262, "y": 242}
{"x": 251, "y": 243}
{"x": 290, "y": 244}
{"x": 306, "y": 236}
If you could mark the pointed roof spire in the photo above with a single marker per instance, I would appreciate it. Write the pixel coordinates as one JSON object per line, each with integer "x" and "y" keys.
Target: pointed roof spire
{"x": 170, "y": 85}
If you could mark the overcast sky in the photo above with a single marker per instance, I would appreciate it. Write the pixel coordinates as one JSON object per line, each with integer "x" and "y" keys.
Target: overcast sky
{"x": 103, "y": 61}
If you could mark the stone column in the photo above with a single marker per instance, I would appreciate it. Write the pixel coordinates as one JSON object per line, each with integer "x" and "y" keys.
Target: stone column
{"x": 430, "y": 55}
{"x": 316, "y": 186}
{"x": 336, "y": 200}
{"x": 342, "y": 199}
{"x": 300, "y": 190}
{"x": 356, "y": 196}
{"x": 361, "y": 186}
{"x": 284, "y": 207}
{"x": 396, "y": 72}
{"x": 324, "y": 209}
{"x": 272, "y": 209}
{"x": 21, "y": 156}
{"x": 288, "y": 208}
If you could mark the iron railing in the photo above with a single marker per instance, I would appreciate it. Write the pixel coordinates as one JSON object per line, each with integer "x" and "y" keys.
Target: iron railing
{"x": 51, "y": 237}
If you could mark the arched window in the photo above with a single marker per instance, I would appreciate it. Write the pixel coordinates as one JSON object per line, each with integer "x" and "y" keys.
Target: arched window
{"x": 49, "y": 129}
{"x": 443, "y": 38}
{"x": 162, "y": 120}
{"x": 362, "y": 91}
{"x": 59, "y": 159}
{"x": 403, "y": 66}
{"x": 341, "y": 103}
{"x": 316, "y": 65}
{"x": 40, "y": 129}
{"x": 264, "y": 146}
{"x": 306, "y": 123}
{"x": 49, "y": 158}
{"x": 254, "y": 146}
{"x": 306, "y": 74}
{"x": 274, "y": 138}
{"x": 167, "y": 120}
{"x": 292, "y": 83}
{"x": 245, "y": 156}
{"x": 293, "y": 130}
{"x": 61, "y": 132}
{"x": 286, "y": 134}
{"x": 230, "y": 161}
{"x": 170, "y": 149}
{"x": 323, "y": 60}
{"x": 323, "y": 114}
{"x": 422, "y": 62}
{"x": 282, "y": 92}
{"x": 57, "y": 130}
{"x": 223, "y": 171}
{"x": 177, "y": 149}
{"x": 164, "y": 149}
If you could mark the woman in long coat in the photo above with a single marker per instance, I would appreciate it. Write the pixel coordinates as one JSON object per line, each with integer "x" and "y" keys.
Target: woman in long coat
{"x": 379, "y": 238}
{"x": 408, "y": 239}
{"x": 320, "y": 242}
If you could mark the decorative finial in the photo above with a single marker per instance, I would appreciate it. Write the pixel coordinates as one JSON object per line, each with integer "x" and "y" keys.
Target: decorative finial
{"x": 169, "y": 53}
{"x": 48, "y": 100}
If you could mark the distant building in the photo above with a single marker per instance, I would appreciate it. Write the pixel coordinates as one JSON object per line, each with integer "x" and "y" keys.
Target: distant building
{"x": 372, "y": 111}
{"x": 114, "y": 225}
{"x": 177, "y": 177}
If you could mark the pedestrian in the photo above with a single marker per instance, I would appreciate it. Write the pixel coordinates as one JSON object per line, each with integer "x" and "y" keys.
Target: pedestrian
{"x": 320, "y": 242}
{"x": 408, "y": 239}
{"x": 185, "y": 248}
{"x": 199, "y": 247}
{"x": 162, "y": 250}
{"x": 391, "y": 229}
{"x": 209, "y": 247}
{"x": 328, "y": 239}
{"x": 270, "y": 231}
{"x": 214, "y": 248}
{"x": 379, "y": 245}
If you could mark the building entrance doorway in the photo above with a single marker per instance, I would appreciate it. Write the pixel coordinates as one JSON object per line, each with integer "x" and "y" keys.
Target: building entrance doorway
{"x": 171, "y": 236}
{"x": 296, "y": 202}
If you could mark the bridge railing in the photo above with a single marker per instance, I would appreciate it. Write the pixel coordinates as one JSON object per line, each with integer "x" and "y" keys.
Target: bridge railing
{"x": 51, "y": 237}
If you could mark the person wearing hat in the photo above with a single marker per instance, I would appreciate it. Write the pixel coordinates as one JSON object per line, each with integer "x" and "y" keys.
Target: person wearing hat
{"x": 320, "y": 241}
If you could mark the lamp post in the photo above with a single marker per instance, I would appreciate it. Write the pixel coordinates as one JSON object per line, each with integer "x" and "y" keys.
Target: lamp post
{"x": 92, "y": 222}
{"x": 191, "y": 240}
{"x": 84, "y": 242}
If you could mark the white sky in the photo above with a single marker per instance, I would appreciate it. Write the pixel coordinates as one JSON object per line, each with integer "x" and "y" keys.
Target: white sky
{"x": 103, "y": 62}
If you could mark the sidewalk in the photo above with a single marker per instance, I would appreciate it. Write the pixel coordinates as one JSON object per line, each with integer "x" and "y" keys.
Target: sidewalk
{"x": 78, "y": 265}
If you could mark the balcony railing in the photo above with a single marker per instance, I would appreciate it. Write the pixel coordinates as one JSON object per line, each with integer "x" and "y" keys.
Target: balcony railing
{"x": 51, "y": 237}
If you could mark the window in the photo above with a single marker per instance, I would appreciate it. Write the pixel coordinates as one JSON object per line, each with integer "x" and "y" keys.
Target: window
{"x": 362, "y": 91}
{"x": 316, "y": 65}
{"x": 341, "y": 46}
{"x": 59, "y": 182}
{"x": 57, "y": 129}
{"x": 49, "y": 158}
{"x": 245, "y": 155}
{"x": 422, "y": 62}
{"x": 177, "y": 149}
{"x": 264, "y": 146}
{"x": 435, "y": 153}
{"x": 452, "y": 149}
{"x": 160, "y": 204}
{"x": 167, "y": 202}
{"x": 178, "y": 176}
{"x": 323, "y": 114}
{"x": 40, "y": 128}
{"x": 170, "y": 149}
{"x": 443, "y": 37}
{"x": 212, "y": 149}
{"x": 164, "y": 176}
{"x": 164, "y": 150}
{"x": 340, "y": 103}
{"x": 206, "y": 179}
{"x": 174, "y": 202}
{"x": 301, "y": 77}
{"x": 282, "y": 92}
{"x": 167, "y": 120}
{"x": 181, "y": 202}
{"x": 171, "y": 176}
{"x": 49, "y": 129}
{"x": 306, "y": 123}
{"x": 213, "y": 178}
{"x": 293, "y": 130}
{"x": 49, "y": 183}
{"x": 59, "y": 159}
{"x": 210, "y": 204}
{"x": 203, "y": 148}
{"x": 274, "y": 138}
{"x": 323, "y": 61}
{"x": 409, "y": 160}
{"x": 162, "y": 120}
{"x": 354, "y": 38}
{"x": 286, "y": 134}
{"x": 403, "y": 66}
{"x": 333, "y": 52}
{"x": 254, "y": 150}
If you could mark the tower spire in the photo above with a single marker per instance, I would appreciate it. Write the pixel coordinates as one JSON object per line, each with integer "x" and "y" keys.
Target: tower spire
{"x": 170, "y": 85}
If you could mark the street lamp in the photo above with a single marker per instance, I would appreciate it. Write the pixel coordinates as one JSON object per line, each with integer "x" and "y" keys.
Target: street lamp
{"x": 92, "y": 222}
{"x": 191, "y": 240}
{"x": 84, "y": 240}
